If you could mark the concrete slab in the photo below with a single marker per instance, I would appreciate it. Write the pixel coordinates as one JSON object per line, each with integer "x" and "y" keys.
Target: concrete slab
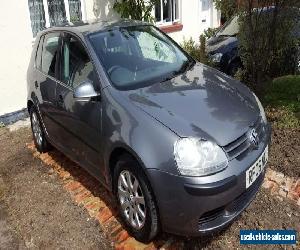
{"x": 19, "y": 124}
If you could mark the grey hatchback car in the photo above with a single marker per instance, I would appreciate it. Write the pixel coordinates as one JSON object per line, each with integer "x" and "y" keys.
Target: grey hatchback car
{"x": 181, "y": 145}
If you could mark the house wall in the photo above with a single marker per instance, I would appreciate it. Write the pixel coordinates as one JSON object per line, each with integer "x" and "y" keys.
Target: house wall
{"x": 193, "y": 19}
{"x": 15, "y": 49}
{"x": 17, "y": 40}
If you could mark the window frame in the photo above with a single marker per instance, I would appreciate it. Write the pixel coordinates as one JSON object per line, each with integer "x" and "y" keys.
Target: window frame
{"x": 39, "y": 52}
{"x": 97, "y": 83}
{"x": 57, "y": 63}
{"x": 174, "y": 20}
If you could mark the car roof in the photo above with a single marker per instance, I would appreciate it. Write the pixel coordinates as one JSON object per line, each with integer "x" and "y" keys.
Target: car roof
{"x": 85, "y": 28}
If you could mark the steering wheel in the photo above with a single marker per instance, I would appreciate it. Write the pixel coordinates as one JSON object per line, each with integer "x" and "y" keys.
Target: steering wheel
{"x": 113, "y": 68}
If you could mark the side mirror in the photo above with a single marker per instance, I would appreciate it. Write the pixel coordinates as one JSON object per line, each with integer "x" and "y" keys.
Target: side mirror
{"x": 85, "y": 92}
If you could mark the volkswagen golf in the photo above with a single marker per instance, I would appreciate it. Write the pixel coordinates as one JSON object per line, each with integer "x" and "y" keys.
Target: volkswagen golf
{"x": 182, "y": 146}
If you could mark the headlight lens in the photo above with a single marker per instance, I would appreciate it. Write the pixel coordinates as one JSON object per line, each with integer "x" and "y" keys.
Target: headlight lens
{"x": 216, "y": 57}
{"x": 195, "y": 157}
{"x": 261, "y": 109}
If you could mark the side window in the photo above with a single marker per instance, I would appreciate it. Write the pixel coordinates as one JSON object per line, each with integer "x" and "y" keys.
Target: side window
{"x": 49, "y": 54}
{"x": 76, "y": 64}
{"x": 38, "y": 58}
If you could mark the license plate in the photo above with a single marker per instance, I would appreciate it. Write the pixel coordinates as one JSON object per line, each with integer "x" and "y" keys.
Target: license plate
{"x": 255, "y": 170}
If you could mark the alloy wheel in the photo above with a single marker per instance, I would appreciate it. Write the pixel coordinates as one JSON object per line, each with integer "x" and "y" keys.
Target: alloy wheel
{"x": 36, "y": 128}
{"x": 131, "y": 199}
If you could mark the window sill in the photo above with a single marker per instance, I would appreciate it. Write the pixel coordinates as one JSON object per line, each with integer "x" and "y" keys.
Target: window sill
{"x": 171, "y": 28}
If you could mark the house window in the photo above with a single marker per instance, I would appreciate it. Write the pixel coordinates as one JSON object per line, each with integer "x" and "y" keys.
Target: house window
{"x": 37, "y": 15}
{"x": 57, "y": 12}
{"x": 167, "y": 11}
{"x": 75, "y": 10}
{"x": 47, "y": 13}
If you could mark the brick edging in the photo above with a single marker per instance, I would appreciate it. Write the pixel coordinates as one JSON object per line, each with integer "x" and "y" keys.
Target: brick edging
{"x": 103, "y": 208}
{"x": 282, "y": 186}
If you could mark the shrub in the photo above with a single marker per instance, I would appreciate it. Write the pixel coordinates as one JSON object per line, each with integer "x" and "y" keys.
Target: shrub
{"x": 282, "y": 100}
{"x": 191, "y": 48}
{"x": 135, "y": 9}
{"x": 266, "y": 43}
{"x": 284, "y": 91}
{"x": 227, "y": 7}
{"x": 197, "y": 51}
{"x": 210, "y": 32}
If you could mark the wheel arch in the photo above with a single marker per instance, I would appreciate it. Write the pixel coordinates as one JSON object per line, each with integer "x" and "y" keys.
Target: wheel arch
{"x": 29, "y": 105}
{"x": 115, "y": 154}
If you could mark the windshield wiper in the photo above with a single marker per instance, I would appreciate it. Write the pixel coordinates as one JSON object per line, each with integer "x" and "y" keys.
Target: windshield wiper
{"x": 185, "y": 67}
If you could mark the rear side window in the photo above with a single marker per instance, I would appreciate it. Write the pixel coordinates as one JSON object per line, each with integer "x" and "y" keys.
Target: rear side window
{"x": 38, "y": 58}
{"x": 49, "y": 54}
{"x": 76, "y": 64}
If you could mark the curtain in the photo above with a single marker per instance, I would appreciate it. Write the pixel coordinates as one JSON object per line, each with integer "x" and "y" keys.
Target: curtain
{"x": 57, "y": 12}
{"x": 75, "y": 10}
{"x": 37, "y": 16}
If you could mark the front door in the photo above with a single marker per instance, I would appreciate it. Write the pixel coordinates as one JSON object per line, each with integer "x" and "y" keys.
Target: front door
{"x": 46, "y": 80}
{"x": 80, "y": 120}
{"x": 205, "y": 9}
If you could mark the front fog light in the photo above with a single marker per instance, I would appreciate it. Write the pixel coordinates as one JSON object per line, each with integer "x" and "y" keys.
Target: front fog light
{"x": 196, "y": 157}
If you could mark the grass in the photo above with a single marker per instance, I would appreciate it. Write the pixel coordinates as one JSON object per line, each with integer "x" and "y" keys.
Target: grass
{"x": 282, "y": 101}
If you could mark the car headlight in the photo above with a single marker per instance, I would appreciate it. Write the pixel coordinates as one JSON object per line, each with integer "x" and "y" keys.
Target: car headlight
{"x": 196, "y": 157}
{"x": 261, "y": 109}
{"x": 216, "y": 57}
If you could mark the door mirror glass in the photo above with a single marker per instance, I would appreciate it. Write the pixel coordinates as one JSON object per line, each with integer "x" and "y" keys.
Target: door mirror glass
{"x": 85, "y": 91}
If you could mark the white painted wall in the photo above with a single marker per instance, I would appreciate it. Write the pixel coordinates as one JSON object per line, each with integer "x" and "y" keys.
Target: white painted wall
{"x": 191, "y": 16}
{"x": 15, "y": 50}
{"x": 16, "y": 41}
{"x": 100, "y": 9}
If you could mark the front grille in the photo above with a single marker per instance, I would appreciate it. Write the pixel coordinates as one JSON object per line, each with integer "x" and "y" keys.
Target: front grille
{"x": 242, "y": 145}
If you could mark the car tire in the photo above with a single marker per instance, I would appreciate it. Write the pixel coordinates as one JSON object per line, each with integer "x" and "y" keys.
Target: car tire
{"x": 234, "y": 67}
{"x": 146, "y": 229}
{"x": 40, "y": 141}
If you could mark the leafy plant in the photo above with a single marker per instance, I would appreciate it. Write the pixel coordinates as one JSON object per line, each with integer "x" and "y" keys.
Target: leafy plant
{"x": 136, "y": 9}
{"x": 2, "y": 125}
{"x": 265, "y": 39}
{"x": 197, "y": 51}
{"x": 202, "y": 51}
{"x": 210, "y": 32}
{"x": 227, "y": 7}
{"x": 191, "y": 48}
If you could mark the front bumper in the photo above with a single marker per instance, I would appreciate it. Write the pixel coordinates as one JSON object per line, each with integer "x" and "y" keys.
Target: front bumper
{"x": 193, "y": 206}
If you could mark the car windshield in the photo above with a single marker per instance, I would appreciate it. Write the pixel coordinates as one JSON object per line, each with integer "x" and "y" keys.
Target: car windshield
{"x": 138, "y": 56}
{"x": 231, "y": 28}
